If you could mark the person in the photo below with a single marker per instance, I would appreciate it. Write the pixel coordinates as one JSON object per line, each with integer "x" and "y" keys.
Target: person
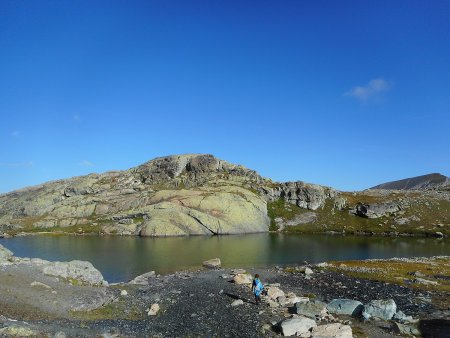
{"x": 257, "y": 288}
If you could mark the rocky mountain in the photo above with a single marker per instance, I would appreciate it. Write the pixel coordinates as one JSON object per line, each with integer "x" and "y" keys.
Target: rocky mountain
{"x": 423, "y": 182}
{"x": 200, "y": 194}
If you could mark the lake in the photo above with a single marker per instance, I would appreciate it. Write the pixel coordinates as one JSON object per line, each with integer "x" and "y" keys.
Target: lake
{"x": 123, "y": 258}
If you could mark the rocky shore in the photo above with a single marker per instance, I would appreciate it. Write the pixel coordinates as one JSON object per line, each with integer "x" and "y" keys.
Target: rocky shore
{"x": 71, "y": 299}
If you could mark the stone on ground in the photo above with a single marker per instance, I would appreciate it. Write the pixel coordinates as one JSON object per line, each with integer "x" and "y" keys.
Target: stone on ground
{"x": 406, "y": 329}
{"x": 212, "y": 263}
{"x": 143, "y": 279}
{"x": 297, "y": 326}
{"x": 81, "y": 271}
{"x": 237, "y": 302}
{"x": 311, "y": 309}
{"x": 380, "y": 308}
{"x": 274, "y": 292}
{"x": 153, "y": 310}
{"x": 345, "y": 307}
{"x": 335, "y": 330}
{"x": 123, "y": 293}
{"x": 242, "y": 278}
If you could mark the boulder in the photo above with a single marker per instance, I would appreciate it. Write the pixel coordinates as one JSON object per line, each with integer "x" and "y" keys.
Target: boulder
{"x": 311, "y": 309}
{"x": 274, "y": 292}
{"x": 384, "y": 309}
{"x": 5, "y": 254}
{"x": 308, "y": 271}
{"x": 297, "y": 326}
{"x": 376, "y": 210}
{"x": 406, "y": 329}
{"x": 335, "y": 330}
{"x": 345, "y": 307}
{"x": 242, "y": 278}
{"x": 143, "y": 279}
{"x": 123, "y": 293}
{"x": 402, "y": 318}
{"x": 212, "y": 263}
{"x": 77, "y": 271}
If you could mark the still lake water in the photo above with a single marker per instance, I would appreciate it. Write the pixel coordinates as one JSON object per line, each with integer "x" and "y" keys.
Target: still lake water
{"x": 123, "y": 258}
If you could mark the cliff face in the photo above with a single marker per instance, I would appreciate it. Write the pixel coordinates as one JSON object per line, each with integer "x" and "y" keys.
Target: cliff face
{"x": 203, "y": 195}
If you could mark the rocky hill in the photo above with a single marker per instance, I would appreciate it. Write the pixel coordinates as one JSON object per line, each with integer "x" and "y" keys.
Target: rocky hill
{"x": 430, "y": 181}
{"x": 203, "y": 195}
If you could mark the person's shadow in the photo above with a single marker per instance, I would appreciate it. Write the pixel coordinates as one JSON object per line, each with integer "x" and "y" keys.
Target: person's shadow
{"x": 245, "y": 300}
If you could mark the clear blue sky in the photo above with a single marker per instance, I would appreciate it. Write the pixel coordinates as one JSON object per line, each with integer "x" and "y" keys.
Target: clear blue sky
{"x": 342, "y": 93}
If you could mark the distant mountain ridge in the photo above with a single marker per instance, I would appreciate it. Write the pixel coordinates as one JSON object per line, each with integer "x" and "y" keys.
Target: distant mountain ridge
{"x": 423, "y": 182}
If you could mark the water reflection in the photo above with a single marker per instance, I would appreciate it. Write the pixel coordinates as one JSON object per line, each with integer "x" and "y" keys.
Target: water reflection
{"x": 122, "y": 258}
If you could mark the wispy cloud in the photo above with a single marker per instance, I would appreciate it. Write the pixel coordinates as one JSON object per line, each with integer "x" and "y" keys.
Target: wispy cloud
{"x": 15, "y": 133}
{"x": 16, "y": 164}
{"x": 76, "y": 117}
{"x": 86, "y": 163}
{"x": 370, "y": 90}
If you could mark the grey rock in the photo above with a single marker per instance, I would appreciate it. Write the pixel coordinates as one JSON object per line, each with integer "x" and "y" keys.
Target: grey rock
{"x": 310, "y": 309}
{"x": 402, "y": 318}
{"x": 5, "y": 254}
{"x": 376, "y": 210}
{"x": 335, "y": 330}
{"x": 212, "y": 263}
{"x": 80, "y": 271}
{"x": 143, "y": 279}
{"x": 345, "y": 307}
{"x": 384, "y": 309}
{"x": 406, "y": 329}
{"x": 297, "y": 326}
{"x": 237, "y": 302}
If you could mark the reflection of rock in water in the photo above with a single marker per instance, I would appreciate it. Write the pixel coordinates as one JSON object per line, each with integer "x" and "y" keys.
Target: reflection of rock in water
{"x": 435, "y": 328}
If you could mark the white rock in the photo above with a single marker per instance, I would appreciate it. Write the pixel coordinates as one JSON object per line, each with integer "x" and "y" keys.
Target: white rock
{"x": 298, "y": 326}
{"x": 5, "y": 254}
{"x": 212, "y": 263}
{"x": 153, "y": 310}
{"x": 308, "y": 271}
{"x": 274, "y": 292}
{"x": 241, "y": 278}
{"x": 335, "y": 330}
{"x": 384, "y": 309}
{"x": 123, "y": 293}
{"x": 237, "y": 302}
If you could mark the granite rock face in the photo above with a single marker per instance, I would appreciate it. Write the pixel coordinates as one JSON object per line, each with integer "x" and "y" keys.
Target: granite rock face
{"x": 304, "y": 195}
{"x": 168, "y": 196}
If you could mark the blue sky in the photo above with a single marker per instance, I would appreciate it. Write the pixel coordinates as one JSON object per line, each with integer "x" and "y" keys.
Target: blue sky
{"x": 342, "y": 93}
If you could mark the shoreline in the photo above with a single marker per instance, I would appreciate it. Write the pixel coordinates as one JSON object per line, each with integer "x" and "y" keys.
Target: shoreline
{"x": 199, "y": 301}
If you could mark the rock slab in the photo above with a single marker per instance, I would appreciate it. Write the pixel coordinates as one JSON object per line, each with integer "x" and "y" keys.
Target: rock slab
{"x": 335, "y": 330}
{"x": 380, "y": 308}
{"x": 212, "y": 263}
{"x": 345, "y": 307}
{"x": 297, "y": 326}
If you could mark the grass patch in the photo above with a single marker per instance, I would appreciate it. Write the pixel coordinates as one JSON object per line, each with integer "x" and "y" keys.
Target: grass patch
{"x": 401, "y": 272}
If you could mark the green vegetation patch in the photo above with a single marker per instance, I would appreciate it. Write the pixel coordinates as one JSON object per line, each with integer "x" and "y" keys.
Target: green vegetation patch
{"x": 406, "y": 272}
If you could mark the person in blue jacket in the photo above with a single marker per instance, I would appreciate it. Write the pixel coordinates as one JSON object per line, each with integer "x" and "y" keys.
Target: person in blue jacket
{"x": 257, "y": 288}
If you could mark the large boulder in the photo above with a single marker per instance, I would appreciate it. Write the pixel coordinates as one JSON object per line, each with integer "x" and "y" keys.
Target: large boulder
{"x": 345, "y": 307}
{"x": 335, "y": 330}
{"x": 311, "y": 309}
{"x": 75, "y": 271}
{"x": 5, "y": 254}
{"x": 297, "y": 326}
{"x": 376, "y": 210}
{"x": 380, "y": 308}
